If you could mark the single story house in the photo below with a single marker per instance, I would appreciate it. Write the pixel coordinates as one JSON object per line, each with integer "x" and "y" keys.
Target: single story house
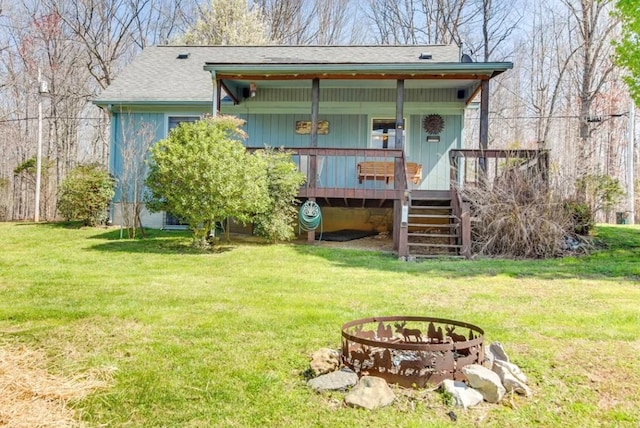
{"x": 375, "y": 128}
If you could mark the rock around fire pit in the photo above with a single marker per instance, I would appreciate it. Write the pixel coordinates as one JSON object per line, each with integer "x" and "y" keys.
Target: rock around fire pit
{"x": 411, "y": 351}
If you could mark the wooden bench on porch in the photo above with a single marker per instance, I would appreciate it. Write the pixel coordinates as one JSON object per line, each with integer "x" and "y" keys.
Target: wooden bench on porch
{"x": 378, "y": 170}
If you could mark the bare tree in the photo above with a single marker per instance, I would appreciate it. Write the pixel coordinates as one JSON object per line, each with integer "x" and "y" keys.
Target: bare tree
{"x": 162, "y": 21}
{"x": 109, "y": 34}
{"x": 419, "y": 21}
{"x": 105, "y": 29}
{"x": 591, "y": 36}
{"x": 497, "y": 20}
{"x": 332, "y": 18}
{"x": 444, "y": 20}
{"x": 135, "y": 140}
{"x": 39, "y": 43}
{"x": 287, "y": 21}
{"x": 547, "y": 61}
{"x": 79, "y": 46}
{"x": 305, "y": 22}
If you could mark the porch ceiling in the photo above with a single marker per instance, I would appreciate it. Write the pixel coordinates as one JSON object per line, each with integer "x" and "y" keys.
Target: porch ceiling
{"x": 370, "y": 75}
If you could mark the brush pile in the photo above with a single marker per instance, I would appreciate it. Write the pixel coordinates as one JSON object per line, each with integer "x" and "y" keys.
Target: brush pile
{"x": 518, "y": 216}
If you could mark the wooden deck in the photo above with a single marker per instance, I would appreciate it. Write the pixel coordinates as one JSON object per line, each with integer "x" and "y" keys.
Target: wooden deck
{"x": 336, "y": 178}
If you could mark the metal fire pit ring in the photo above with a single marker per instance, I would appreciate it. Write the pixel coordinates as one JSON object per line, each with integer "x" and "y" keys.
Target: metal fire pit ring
{"x": 411, "y": 351}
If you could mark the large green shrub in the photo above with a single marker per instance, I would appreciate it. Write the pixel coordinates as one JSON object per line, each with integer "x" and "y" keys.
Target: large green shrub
{"x": 202, "y": 174}
{"x": 85, "y": 194}
{"x": 277, "y": 221}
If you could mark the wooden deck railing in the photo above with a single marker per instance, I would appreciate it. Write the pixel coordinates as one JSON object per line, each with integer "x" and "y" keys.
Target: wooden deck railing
{"x": 333, "y": 173}
{"x": 483, "y": 167}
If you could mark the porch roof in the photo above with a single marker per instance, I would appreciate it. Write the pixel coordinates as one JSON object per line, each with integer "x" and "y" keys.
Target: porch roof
{"x": 183, "y": 74}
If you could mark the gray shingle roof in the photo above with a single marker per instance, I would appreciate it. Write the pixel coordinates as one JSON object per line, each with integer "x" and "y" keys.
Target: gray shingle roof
{"x": 157, "y": 75}
{"x": 331, "y": 54}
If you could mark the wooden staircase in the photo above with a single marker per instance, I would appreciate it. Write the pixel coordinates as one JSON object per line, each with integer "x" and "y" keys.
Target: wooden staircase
{"x": 433, "y": 229}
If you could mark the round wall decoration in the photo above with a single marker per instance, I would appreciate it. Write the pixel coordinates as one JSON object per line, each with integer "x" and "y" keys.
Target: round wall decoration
{"x": 433, "y": 124}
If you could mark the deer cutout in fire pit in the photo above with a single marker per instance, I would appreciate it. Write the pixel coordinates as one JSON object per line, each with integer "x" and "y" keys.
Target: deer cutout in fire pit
{"x": 454, "y": 336}
{"x": 360, "y": 355}
{"x": 408, "y": 333}
{"x": 412, "y": 367}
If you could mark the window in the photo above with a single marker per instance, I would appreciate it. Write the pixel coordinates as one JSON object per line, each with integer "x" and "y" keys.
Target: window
{"x": 383, "y": 134}
{"x": 173, "y": 121}
{"x": 171, "y": 221}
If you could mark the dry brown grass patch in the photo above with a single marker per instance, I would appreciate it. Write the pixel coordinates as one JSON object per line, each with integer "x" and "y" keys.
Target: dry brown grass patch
{"x": 608, "y": 369}
{"x": 31, "y": 396}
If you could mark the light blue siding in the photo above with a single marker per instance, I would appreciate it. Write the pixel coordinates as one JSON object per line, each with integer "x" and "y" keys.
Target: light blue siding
{"x": 352, "y": 131}
{"x": 345, "y": 131}
{"x": 434, "y": 157}
{"x": 278, "y": 130}
{"x": 128, "y": 127}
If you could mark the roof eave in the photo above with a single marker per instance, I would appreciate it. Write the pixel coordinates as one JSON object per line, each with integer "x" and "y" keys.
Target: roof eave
{"x": 106, "y": 103}
{"x": 490, "y": 69}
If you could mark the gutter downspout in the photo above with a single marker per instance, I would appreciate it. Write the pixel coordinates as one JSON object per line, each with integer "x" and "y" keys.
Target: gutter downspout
{"x": 215, "y": 100}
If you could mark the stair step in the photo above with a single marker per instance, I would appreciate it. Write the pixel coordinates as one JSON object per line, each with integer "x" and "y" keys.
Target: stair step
{"x": 431, "y": 194}
{"x": 434, "y": 225}
{"x": 412, "y": 215}
{"x": 430, "y": 202}
{"x": 415, "y": 244}
{"x": 430, "y": 207}
{"x": 433, "y": 235}
{"x": 430, "y": 198}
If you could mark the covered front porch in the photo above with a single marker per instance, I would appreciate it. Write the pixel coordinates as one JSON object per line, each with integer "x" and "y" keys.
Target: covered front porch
{"x": 370, "y": 126}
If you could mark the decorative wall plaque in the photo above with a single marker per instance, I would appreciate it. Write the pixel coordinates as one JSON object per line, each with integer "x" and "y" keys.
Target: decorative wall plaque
{"x": 433, "y": 124}
{"x": 304, "y": 127}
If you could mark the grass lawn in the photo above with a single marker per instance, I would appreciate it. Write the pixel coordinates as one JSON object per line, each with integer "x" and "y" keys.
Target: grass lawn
{"x": 221, "y": 339}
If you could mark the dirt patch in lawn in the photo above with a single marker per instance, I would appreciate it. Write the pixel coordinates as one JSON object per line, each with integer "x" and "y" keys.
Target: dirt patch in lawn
{"x": 381, "y": 242}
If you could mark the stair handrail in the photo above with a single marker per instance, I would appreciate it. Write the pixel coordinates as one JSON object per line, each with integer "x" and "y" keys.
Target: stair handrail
{"x": 462, "y": 211}
{"x": 402, "y": 183}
